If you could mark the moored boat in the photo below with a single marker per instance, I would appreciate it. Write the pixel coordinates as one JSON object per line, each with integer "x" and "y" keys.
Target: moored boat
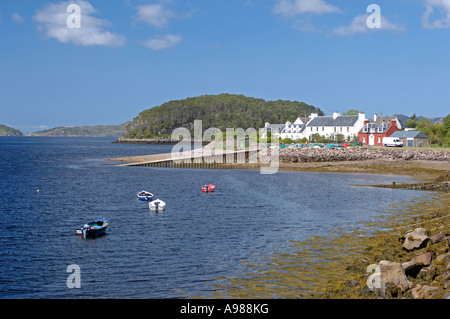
{"x": 93, "y": 228}
{"x": 157, "y": 204}
{"x": 208, "y": 188}
{"x": 145, "y": 196}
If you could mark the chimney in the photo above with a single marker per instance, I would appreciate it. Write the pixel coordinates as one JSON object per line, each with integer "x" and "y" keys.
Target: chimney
{"x": 393, "y": 123}
{"x": 335, "y": 115}
{"x": 267, "y": 124}
{"x": 362, "y": 116}
{"x": 375, "y": 117}
{"x": 313, "y": 115}
{"x": 366, "y": 121}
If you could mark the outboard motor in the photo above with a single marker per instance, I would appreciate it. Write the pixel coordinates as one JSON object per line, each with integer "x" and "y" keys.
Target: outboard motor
{"x": 85, "y": 230}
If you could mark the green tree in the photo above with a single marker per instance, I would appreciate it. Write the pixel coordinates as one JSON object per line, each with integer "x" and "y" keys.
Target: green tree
{"x": 351, "y": 112}
{"x": 447, "y": 123}
{"x": 412, "y": 121}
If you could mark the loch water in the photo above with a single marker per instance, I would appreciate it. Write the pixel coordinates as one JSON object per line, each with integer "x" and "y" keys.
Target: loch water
{"x": 50, "y": 186}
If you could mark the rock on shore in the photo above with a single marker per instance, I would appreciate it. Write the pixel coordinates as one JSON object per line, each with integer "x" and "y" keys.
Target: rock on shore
{"x": 426, "y": 275}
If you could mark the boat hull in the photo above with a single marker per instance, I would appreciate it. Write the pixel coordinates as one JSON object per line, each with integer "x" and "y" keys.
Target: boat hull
{"x": 94, "y": 228}
{"x": 145, "y": 199}
{"x": 208, "y": 188}
{"x": 145, "y": 196}
{"x": 157, "y": 205}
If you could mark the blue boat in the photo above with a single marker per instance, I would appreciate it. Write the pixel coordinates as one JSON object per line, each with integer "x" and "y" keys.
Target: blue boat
{"x": 94, "y": 228}
{"x": 145, "y": 196}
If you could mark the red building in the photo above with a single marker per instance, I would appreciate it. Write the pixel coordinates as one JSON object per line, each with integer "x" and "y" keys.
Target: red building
{"x": 373, "y": 133}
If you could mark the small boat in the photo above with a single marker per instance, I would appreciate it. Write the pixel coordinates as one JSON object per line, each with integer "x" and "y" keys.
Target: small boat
{"x": 145, "y": 196}
{"x": 93, "y": 228}
{"x": 157, "y": 204}
{"x": 208, "y": 188}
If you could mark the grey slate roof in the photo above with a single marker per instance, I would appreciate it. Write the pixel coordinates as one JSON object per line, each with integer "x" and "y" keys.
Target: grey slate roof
{"x": 343, "y": 120}
{"x": 375, "y": 128}
{"x": 299, "y": 127}
{"x": 274, "y": 127}
{"x": 409, "y": 134}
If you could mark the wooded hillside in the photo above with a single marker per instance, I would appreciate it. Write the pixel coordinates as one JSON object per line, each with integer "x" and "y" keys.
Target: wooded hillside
{"x": 219, "y": 111}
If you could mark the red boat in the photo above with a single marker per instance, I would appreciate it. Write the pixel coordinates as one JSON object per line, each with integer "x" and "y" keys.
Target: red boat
{"x": 208, "y": 188}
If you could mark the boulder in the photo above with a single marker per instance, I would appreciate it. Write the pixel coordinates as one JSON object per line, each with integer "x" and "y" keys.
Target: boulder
{"x": 447, "y": 261}
{"x": 416, "y": 239}
{"x": 445, "y": 279}
{"x": 438, "y": 238}
{"x": 392, "y": 278}
{"x": 427, "y": 292}
{"x": 413, "y": 267}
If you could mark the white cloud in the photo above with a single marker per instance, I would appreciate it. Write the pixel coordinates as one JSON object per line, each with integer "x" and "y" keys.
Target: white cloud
{"x": 52, "y": 20}
{"x": 443, "y": 6}
{"x": 17, "y": 18}
{"x": 162, "y": 42}
{"x": 359, "y": 25}
{"x": 295, "y": 7}
{"x": 154, "y": 15}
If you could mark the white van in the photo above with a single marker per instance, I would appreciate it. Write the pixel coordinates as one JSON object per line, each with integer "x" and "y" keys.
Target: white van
{"x": 392, "y": 141}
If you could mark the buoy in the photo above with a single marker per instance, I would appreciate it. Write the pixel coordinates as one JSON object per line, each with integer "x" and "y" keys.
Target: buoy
{"x": 38, "y": 190}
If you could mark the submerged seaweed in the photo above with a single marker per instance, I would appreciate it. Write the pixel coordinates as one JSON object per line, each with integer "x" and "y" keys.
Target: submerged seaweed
{"x": 334, "y": 265}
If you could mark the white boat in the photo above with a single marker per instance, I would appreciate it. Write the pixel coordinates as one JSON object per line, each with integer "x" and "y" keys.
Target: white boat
{"x": 157, "y": 204}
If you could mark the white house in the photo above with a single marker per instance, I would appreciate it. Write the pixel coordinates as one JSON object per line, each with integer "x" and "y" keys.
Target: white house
{"x": 294, "y": 130}
{"x": 274, "y": 129}
{"x": 346, "y": 125}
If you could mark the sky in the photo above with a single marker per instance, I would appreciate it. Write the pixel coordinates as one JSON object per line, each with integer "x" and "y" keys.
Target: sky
{"x": 104, "y": 61}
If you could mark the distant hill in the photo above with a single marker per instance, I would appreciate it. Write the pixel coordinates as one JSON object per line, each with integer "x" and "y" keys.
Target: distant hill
{"x": 85, "y": 131}
{"x": 9, "y": 131}
{"x": 220, "y": 111}
{"x": 403, "y": 118}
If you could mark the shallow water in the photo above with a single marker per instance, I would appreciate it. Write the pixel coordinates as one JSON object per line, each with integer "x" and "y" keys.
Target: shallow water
{"x": 174, "y": 254}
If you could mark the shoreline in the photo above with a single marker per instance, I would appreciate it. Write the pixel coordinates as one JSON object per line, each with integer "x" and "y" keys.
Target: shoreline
{"x": 421, "y": 164}
{"x": 334, "y": 265}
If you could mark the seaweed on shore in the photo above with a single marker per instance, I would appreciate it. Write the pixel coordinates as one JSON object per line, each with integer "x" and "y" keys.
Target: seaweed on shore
{"x": 334, "y": 265}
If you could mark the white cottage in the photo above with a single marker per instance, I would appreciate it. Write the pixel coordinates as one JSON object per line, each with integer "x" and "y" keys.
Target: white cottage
{"x": 294, "y": 130}
{"x": 346, "y": 125}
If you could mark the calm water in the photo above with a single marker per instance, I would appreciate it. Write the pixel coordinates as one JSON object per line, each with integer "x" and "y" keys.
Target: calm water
{"x": 173, "y": 254}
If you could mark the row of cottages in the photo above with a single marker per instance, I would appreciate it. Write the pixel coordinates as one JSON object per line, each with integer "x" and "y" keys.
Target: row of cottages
{"x": 346, "y": 125}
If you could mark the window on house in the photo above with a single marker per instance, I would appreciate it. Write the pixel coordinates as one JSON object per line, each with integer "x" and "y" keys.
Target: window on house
{"x": 323, "y": 128}
{"x": 348, "y": 129}
{"x": 364, "y": 139}
{"x": 379, "y": 139}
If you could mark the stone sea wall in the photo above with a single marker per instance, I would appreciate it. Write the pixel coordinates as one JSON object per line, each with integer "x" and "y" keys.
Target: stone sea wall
{"x": 294, "y": 155}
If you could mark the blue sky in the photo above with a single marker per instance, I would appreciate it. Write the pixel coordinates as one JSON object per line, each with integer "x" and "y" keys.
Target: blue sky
{"x": 130, "y": 55}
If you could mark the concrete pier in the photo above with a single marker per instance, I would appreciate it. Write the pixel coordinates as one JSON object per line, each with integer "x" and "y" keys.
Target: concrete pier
{"x": 226, "y": 159}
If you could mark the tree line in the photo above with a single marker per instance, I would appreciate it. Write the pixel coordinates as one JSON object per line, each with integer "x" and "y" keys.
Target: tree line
{"x": 438, "y": 133}
{"x": 220, "y": 111}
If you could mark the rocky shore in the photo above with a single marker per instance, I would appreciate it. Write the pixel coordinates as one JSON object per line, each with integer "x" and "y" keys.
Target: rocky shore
{"x": 294, "y": 155}
{"x": 402, "y": 255}
{"x": 424, "y": 275}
